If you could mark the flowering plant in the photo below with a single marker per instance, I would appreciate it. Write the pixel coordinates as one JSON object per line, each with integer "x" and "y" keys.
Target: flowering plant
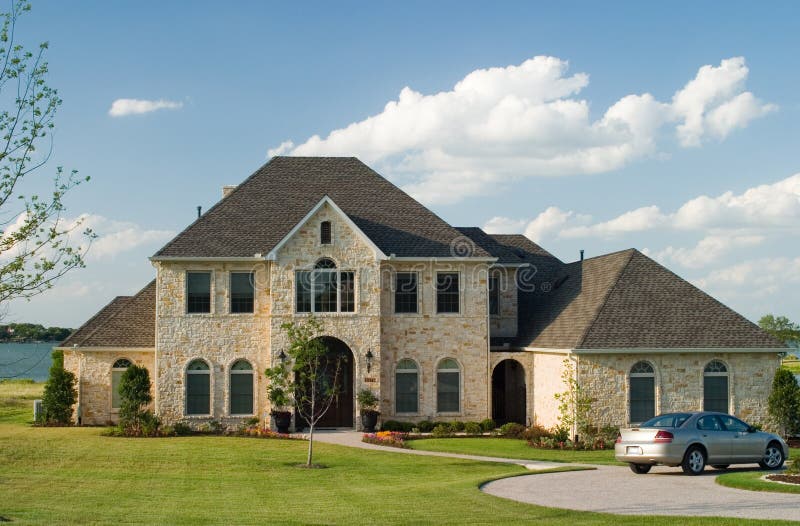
{"x": 386, "y": 438}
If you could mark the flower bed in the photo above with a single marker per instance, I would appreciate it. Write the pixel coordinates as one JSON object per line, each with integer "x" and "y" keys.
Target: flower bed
{"x": 264, "y": 432}
{"x": 386, "y": 438}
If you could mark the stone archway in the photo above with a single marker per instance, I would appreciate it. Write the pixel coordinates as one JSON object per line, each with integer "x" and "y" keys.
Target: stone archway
{"x": 509, "y": 394}
{"x": 341, "y": 412}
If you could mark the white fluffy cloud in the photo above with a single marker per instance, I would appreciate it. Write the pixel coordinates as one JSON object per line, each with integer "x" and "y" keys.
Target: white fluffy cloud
{"x": 708, "y": 250}
{"x": 124, "y": 107}
{"x": 753, "y": 278}
{"x": 504, "y": 123}
{"x": 117, "y": 237}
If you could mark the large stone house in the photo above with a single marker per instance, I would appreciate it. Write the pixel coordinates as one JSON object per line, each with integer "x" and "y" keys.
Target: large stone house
{"x": 442, "y": 323}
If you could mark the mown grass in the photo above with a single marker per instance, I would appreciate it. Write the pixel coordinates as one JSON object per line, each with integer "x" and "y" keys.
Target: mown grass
{"x": 511, "y": 448}
{"x": 78, "y": 476}
{"x": 793, "y": 364}
{"x": 16, "y": 400}
{"x": 751, "y": 480}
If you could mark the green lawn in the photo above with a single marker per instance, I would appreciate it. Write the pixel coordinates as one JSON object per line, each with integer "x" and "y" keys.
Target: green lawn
{"x": 752, "y": 480}
{"x": 792, "y": 364}
{"x": 78, "y": 476}
{"x": 511, "y": 448}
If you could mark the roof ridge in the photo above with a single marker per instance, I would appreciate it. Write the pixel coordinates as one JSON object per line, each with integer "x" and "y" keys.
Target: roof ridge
{"x": 607, "y": 294}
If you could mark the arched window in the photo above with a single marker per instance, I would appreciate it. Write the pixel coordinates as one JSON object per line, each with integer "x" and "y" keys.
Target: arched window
{"x": 325, "y": 289}
{"x": 241, "y": 388}
{"x": 119, "y": 367}
{"x": 406, "y": 387}
{"x": 715, "y": 387}
{"x": 325, "y": 234}
{"x": 448, "y": 386}
{"x": 325, "y": 263}
{"x": 643, "y": 392}
{"x": 198, "y": 388}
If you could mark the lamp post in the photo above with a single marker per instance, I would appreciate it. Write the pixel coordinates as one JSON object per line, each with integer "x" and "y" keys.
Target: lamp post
{"x": 369, "y": 357}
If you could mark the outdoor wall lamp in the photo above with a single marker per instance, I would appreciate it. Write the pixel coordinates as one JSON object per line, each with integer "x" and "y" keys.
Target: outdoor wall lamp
{"x": 282, "y": 356}
{"x": 369, "y": 359}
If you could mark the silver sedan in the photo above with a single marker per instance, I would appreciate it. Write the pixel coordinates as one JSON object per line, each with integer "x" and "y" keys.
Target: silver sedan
{"x": 692, "y": 440}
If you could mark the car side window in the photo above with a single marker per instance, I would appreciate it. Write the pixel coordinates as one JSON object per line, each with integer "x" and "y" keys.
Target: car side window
{"x": 708, "y": 423}
{"x": 734, "y": 424}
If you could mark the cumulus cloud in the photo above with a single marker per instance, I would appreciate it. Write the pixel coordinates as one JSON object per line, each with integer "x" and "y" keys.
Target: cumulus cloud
{"x": 754, "y": 278}
{"x": 117, "y": 237}
{"x": 708, "y": 250}
{"x": 125, "y": 107}
{"x": 504, "y": 225}
{"x": 505, "y": 123}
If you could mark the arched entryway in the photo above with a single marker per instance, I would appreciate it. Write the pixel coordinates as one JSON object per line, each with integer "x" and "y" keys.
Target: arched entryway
{"x": 340, "y": 413}
{"x": 509, "y": 393}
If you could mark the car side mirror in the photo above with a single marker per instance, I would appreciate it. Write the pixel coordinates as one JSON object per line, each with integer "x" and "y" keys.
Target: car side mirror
{"x": 751, "y": 429}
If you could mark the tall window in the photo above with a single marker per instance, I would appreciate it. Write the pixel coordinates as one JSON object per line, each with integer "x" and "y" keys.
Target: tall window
{"x": 643, "y": 392}
{"x": 494, "y": 295}
{"x": 406, "y": 387}
{"x": 405, "y": 292}
{"x": 117, "y": 370}
{"x": 448, "y": 385}
{"x": 198, "y": 388}
{"x": 325, "y": 237}
{"x": 241, "y": 388}
{"x": 447, "y": 292}
{"x": 715, "y": 387}
{"x": 242, "y": 291}
{"x": 198, "y": 292}
{"x": 325, "y": 289}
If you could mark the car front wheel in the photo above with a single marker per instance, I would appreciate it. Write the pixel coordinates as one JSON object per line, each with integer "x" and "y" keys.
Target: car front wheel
{"x": 773, "y": 457}
{"x": 640, "y": 469}
{"x": 694, "y": 461}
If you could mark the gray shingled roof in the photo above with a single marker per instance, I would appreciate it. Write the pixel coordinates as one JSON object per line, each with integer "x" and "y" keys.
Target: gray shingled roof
{"x": 127, "y": 321}
{"x": 625, "y": 300}
{"x": 265, "y": 207}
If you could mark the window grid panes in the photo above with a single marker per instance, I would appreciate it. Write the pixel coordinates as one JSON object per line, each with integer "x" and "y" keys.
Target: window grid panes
{"x": 325, "y": 233}
{"x": 405, "y": 292}
{"x": 715, "y": 394}
{"x": 642, "y": 392}
{"x": 325, "y": 289}
{"x": 407, "y": 387}
{"x": 241, "y": 396}
{"x": 198, "y": 388}
{"x": 119, "y": 368}
{"x": 494, "y": 295}
{"x": 348, "y": 293}
{"x": 198, "y": 292}
{"x": 242, "y": 292}
{"x": 447, "y": 292}
{"x": 448, "y": 386}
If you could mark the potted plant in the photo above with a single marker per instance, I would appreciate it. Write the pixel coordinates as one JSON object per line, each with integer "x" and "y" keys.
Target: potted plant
{"x": 368, "y": 403}
{"x": 281, "y": 402}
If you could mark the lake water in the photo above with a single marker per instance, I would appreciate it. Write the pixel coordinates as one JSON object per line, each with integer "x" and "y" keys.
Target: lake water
{"x": 26, "y": 360}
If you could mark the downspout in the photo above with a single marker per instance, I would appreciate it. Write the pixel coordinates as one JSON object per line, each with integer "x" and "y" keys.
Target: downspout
{"x": 488, "y": 352}
{"x": 78, "y": 409}
{"x": 576, "y": 359}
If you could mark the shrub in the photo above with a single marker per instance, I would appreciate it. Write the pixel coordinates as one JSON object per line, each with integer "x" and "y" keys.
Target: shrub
{"x": 456, "y": 426}
{"x": 426, "y": 426}
{"x": 252, "y": 421}
{"x": 794, "y": 467}
{"x": 473, "y": 428}
{"x": 182, "y": 429}
{"x": 134, "y": 391}
{"x": 212, "y": 427}
{"x": 512, "y": 430}
{"x": 536, "y": 432}
{"x": 560, "y": 434}
{"x": 488, "y": 425}
{"x": 59, "y": 393}
{"x": 394, "y": 425}
{"x": 367, "y": 400}
{"x": 386, "y": 438}
{"x": 442, "y": 431}
{"x": 784, "y": 402}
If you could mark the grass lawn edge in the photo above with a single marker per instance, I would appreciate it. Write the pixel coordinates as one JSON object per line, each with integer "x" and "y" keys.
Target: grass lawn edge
{"x": 559, "y": 469}
{"x": 751, "y": 481}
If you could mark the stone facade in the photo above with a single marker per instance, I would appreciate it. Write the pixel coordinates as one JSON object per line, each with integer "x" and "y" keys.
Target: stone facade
{"x": 93, "y": 371}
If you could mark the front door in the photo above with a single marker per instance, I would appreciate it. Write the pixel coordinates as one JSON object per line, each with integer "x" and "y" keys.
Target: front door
{"x": 509, "y": 393}
{"x": 340, "y": 412}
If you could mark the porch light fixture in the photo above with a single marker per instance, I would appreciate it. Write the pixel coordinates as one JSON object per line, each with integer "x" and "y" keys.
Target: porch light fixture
{"x": 282, "y": 356}
{"x": 369, "y": 359}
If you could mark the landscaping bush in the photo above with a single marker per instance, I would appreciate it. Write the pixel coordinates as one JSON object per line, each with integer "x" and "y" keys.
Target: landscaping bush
{"x": 394, "y": 425}
{"x": 182, "y": 429}
{"x": 456, "y": 426}
{"x": 473, "y": 428}
{"x": 794, "y": 467}
{"x": 560, "y": 434}
{"x": 59, "y": 393}
{"x": 134, "y": 391}
{"x": 536, "y": 432}
{"x": 488, "y": 425}
{"x": 512, "y": 430}
{"x": 426, "y": 426}
{"x": 442, "y": 431}
{"x": 212, "y": 427}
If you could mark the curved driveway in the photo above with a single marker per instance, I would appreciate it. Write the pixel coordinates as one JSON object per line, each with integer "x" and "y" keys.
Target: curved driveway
{"x": 664, "y": 491}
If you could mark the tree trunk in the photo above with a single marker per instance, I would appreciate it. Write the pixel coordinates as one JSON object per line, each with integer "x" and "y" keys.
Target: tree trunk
{"x": 310, "y": 444}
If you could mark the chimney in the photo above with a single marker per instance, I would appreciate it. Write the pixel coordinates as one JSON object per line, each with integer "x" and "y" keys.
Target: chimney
{"x": 199, "y": 211}
{"x": 227, "y": 189}
{"x": 581, "y": 254}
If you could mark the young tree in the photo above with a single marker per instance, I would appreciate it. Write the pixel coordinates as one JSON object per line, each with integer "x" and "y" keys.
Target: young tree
{"x": 37, "y": 243}
{"x": 134, "y": 391}
{"x": 784, "y": 402}
{"x": 313, "y": 378}
{"x": 59, "y": 393}
{"x": 574, "y": 404}
{"x": 781, "y": 328}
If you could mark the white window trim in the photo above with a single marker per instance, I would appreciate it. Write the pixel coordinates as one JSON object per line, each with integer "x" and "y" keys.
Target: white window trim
{"x": 252, "y": 373}
{"x": 419, "y": 295}
{"x": 211, "y": 292}
{"x": 230, "y": 292}
{"x": 418, "y": 372}
{"x": 460, "y": 293}
{"x": 656, "y": 392}
{"x": 209, "y": 372}
{"x": 460, "y": 372}
{"x": 338, "y": 310}
{"x": 115, "y": 410}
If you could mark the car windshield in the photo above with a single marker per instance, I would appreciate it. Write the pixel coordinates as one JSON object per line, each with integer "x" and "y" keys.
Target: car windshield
{"x": 669, "y": 420}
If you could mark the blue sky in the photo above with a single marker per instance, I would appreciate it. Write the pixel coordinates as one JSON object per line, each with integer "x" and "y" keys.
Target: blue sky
{"x": 550, "y": 146}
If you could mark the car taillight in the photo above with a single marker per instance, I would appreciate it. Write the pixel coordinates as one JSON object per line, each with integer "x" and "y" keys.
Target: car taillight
{"x": 618, "y": 440}
{"x": 663, "y": 436}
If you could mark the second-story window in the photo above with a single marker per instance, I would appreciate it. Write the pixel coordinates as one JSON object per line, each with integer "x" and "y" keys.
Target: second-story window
{"x": 325, "y": 289}
{"x": 494, "y": 295}
{"x": 447, "y": 300}
{"x": 325, "y": 236}
{"x": 242, "y": 292}
{"x": 198, "y": 292}
{"x": 405, "y": 292}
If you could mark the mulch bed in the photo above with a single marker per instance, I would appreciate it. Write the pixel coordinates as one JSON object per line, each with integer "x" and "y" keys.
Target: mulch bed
{"x": 793, "y": 442}
{"x": 791, "y": 479}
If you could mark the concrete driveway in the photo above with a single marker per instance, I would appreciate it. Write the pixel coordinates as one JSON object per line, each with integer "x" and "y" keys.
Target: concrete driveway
{"x": 664, "y": 491}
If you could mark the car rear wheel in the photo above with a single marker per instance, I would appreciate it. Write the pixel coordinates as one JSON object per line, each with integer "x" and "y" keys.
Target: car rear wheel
{"x": 694, "y": 461}
{"x": 720, "y": 466}
{"x": 640, "y": 469}
{"x": 773, "y": 457}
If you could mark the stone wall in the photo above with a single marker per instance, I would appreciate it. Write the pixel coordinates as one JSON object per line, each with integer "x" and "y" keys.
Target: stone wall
{"x": 505, "y": 322}
{"x": 93, "y": 371}
{"x": 220, "y": 338}
{"x": 427, "y": 338}
{"x": 678, "y": 381}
